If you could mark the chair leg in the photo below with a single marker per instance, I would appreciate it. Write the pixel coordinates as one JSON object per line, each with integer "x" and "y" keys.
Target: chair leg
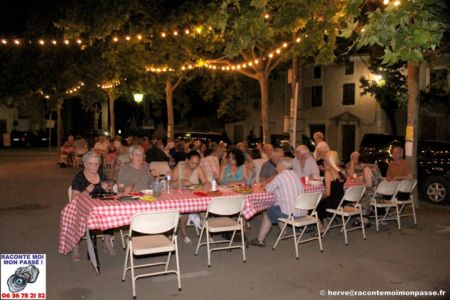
{"x": 168, "y": 261}
{"x": 122, "y": 239}
{"x": 207, "y": 247}
{"x": 398, "y": 218}
{"x": 244, "y": 259}
{"x": 178, "y": 264}
{"x": 199, "y": 240}
{"x": 126, "y": 263}
{"x": 414, "y": 211}
{"x": 344, "y": 228}
{"x": 328, "y": 226}
{"x": 279, "y": 236}
{"x": 319, "y": 237}
{"x": 133, "y": 279}
{"x": 376, "y": 218}
{"x": 295, "y": 240}
{"x": 232, "y": 238}
{"x": 362, "y": 225}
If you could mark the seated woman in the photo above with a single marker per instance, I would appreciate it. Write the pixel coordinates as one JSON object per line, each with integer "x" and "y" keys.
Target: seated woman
{"x": 136, "y": 174}
{"x": 234, "y": 169}
{"x": 304, "y": 165}
{"x": 67, "y": 152}
{"x": 370, "y": 175}
{"x": 334, "y": 187}
{"x": 188, "y": 173}
{"x": 91, "y": 182}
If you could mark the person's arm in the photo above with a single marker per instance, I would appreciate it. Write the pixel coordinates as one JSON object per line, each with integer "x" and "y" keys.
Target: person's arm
{"x": 327, "y": 183}
{"x": 244, "y": 172}
{"x": 202, "y": 176}
{"x": 176, "y": 174}
{"x": 389, "y": 175}
{"x": 222, "y": 173}
{"x": 314, "y": 168}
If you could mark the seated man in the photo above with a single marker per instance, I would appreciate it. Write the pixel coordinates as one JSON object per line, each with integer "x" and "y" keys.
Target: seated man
{"x": 268, "y": 169}
{"x": 399, "y": 168}
{"x": 286, "y": 188}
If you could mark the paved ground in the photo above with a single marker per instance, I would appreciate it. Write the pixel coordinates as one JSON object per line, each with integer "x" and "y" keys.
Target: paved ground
{"x": 33, "y": 192}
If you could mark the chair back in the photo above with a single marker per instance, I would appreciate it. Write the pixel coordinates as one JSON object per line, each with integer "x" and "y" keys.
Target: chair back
{"x": 161, "y": 166}
{"x": 226, "y": 206}
{"x": 308, "y": 201}
{"x": 354, "y": 193}
{"x": 387, "y": 188}
{"x": 258, "y": 164}
{"x": 407, "y": 186}
{"x": 69, "y": 192}
{"x": 154, "y": 222}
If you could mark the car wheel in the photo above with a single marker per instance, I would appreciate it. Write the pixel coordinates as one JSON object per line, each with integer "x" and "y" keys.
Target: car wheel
{"x": 437, "y": 190}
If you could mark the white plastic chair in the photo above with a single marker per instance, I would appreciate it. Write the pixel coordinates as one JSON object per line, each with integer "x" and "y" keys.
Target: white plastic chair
{"x": 406, "y": 186}
{"x": 161, "y": 166}
{"x": 303, "y": 202}
{"x": 222, "y": 209}
{"x": 151, "y": 227}
{"x": 385, "y": 188}
{"x": 353, "y": 195}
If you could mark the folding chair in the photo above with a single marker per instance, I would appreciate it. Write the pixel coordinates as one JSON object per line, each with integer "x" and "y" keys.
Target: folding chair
{"x": 151, "y": 227}
{"x": 385, "y": 188}
{"x": 305, "y": 202}
{"x": 406, "y": 187}
{"x": 353, "y": 195}
{"x": 219, "y": 219}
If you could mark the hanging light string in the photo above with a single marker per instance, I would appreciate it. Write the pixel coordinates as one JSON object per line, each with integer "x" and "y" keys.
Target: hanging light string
{"x": 76, "y": 88}
{"x": 190, "y": 31}
{"x": 108, "y": 85}
{"x": 216, "y": 64}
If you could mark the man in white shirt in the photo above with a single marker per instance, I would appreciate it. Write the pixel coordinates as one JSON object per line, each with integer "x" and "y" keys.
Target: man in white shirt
{"x": 286, "y": 188}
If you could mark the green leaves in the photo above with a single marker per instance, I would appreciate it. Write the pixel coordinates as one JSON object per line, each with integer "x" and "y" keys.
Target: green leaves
{"x": 405, "y": 31}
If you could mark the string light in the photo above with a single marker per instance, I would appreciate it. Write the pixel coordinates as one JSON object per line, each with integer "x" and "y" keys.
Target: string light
{"x": 75, "y": 89}
{"x": 109, "y": 84}
{"x": 223, "y": 67}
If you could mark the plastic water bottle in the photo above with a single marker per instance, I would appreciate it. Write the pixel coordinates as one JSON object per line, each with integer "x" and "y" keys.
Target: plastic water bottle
{"x": 213, "y": 185}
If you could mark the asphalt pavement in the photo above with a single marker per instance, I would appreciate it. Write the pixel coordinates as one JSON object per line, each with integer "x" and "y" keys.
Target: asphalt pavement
{"x": 416, "y": 259}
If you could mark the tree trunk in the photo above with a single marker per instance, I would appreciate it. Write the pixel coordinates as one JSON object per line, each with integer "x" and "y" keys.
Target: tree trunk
{"x": 263, "y": 80}
{"x": 59, "y": 128}
{"x": 112, "y": 119}
{"x": 169, "y": 102}
{"x": 96, "y": 118}
{"x": 413, "y": 119}
{"x": 294, "y": 104}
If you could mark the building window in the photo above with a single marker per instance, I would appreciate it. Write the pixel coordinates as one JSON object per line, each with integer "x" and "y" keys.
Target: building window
{"x": 349, "y": 68}
{"x": 348, "y": 95}
{"x": 317, "y": 72}
{"x": 316, "y": 95}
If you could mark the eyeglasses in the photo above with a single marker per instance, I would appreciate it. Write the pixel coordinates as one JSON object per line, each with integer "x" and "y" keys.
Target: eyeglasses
{"x": 93, "y": 163}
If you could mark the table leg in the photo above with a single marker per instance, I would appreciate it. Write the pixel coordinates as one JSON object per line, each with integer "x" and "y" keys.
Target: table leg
{"x": 91, "y": 238}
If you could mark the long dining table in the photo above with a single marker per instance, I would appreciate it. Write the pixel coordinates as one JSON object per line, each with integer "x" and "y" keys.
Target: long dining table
{"x": 84, "y": 213}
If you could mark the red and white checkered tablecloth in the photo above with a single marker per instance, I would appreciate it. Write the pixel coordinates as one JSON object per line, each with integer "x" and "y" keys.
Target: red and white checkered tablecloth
{"x": 104, "y": 214}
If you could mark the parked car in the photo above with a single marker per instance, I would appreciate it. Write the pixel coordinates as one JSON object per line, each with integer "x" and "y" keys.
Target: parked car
{"x": 433, "y": 163}
{"x": 203, "y": 136}
{"x": 433, "y": 170}
{"x": 24, "y": 139}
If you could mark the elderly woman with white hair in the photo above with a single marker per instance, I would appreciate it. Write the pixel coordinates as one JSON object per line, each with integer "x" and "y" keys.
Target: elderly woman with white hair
{"x": 92, "y": 182}
{"x": 334, "y": 187}
{"x": 304, "y": 165}
{"x": 136, "y": 174}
